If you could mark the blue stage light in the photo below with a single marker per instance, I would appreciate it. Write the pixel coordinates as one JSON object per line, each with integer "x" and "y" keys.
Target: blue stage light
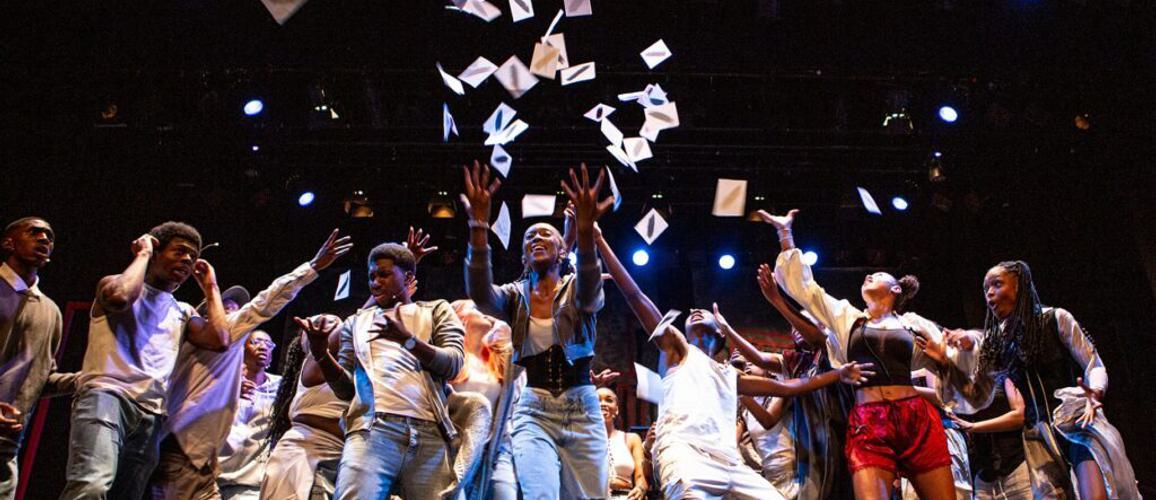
{"x": 640, "y": 257}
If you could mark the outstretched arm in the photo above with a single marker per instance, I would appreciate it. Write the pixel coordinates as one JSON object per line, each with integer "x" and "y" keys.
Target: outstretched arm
{"x": 480, "y": 189}
{"x": 672, "y": 341}
{"x": 1010, "y": 421}
{"x": 765, "y": 360}
{"x": 587, "y": 209}
{"x": 851, "y": 373}
{"x": 806, "y": 328}
{"x": 768, "y": 416}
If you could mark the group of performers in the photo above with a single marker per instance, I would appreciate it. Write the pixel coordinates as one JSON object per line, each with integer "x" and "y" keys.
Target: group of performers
{"x": 494, "y": 397}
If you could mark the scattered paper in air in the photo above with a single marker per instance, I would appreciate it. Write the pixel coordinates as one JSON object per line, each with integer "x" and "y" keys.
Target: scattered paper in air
{"x": 730, "y": 198}
{"x": 655, "y": 54}
{"x": 451, "y": 82}
{"x": 477, "y": 72}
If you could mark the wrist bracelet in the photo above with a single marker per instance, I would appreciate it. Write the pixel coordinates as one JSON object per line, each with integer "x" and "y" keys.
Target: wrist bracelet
{"x": 477, "y": 224}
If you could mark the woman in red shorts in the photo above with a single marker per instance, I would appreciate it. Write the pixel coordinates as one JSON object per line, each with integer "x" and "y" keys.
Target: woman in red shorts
{"x": 891, "y": 430}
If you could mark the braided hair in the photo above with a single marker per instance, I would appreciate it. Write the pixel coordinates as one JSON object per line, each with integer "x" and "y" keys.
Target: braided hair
{"x": 287, "y": 391}
{"x": 1020, "y": 341}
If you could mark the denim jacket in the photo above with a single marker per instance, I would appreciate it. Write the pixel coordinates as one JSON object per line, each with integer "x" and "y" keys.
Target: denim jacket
{"x": 576, "y": 303}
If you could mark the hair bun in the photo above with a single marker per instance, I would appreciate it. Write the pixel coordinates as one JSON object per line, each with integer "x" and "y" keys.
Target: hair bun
{"x": 909, "y": 285}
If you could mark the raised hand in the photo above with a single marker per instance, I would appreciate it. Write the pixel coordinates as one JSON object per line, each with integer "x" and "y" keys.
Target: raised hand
{"x": 146, "y": 244}
{"x": 723, "y": 324}
{"x": 959, "y": 339}
{"x": 781, "y": 222}
{"x": 390, "y": 328}
{"x": 768, "y": 285}
{"x": 317, "y": 330}
{"x": 480, "y": 189}
{"x": 416, "y": 243}
{"x": 584, "y": 196}
{"x": 331, "y": 250}
{"x": 604, "y": 377}
{"x": 1091, "y": 404}
{"x": 854, "y": 373}
{"x": 936, "y": 350}
{"x": 205, "y": 274}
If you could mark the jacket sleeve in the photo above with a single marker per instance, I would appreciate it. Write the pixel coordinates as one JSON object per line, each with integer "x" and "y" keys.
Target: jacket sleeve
{"x": 588, "y": 295}
{"x": 490, "y": 299}
{"x": 447, "y": 337}
{"x": 1083, "y": 350}
{"x": 839, "y": 316}
{"x": 269, "y": 302}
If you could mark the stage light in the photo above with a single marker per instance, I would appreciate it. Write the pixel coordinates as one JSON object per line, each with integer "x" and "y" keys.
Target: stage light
{"x": 727, "y": 261}
{"x": 810, "y": 257}
{"x": 640, "y": 257}
{"x": 441, "y": 206}
{"x": 255, "y": 148}
{"x": 948, "y": 114}
{"x": 899, "y": 203}
{"x": 306, "y": 198}
{"x": 254, "y": 107}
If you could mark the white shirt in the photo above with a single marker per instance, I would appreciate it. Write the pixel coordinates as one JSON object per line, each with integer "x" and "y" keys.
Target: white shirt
{"x": 541, "y": 336}
{"x": 401, "y": 388}
{"x": 699, "y": 404}
{"x": 246, "y": 450}
{"x": 319, "y": 401}
{"x": 206, "y": 384}
{"x": 133, "y": 353}
{"x": 776, "y": 446}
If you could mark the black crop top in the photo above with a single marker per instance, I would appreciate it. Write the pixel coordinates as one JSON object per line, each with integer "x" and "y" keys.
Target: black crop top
{"x": 888, "y": 349}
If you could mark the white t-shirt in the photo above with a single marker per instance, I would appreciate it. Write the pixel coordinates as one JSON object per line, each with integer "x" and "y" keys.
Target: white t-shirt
{"x": 620, "y": 457}
{"x": 776, "y": 448}
{"x": 402, "y": 387}
{"x": 318, "y": 400}
{"x": 133, "y": 353}
{"x": 246, "y": 451}
{"x": 699, "y": 404}
{"x": 540, "y": 335}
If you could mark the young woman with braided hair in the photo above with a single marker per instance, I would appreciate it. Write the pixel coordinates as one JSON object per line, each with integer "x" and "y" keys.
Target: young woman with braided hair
{"x": 891, "y": 431}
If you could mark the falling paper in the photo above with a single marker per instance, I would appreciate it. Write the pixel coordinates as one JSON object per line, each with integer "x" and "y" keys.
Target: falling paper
{"x": 282, "y": 10}
{"x": 667, "y": 320}
{"x": 342, "y": 286}
{"x": 597, "y": 113}
{"x": 515, "y": 77}
{"x": 662, "y": 117}
{"x": 558, "y": 41}
{"x": 614, "y": 189}
{"x": 501, "y": 226}
{"x": 521, "y": 10}
{"x": 649, "y": 386}
{"x": 499, "y": 119}
{"x": 653, "y": 96}
{"x": 637, "y": 149}
{"x": 730, "y": 198}
{"x": 478, "y": 71}
{"x": 869, "y": 202}
{"x": 576, "y": 8}
{"x": 538, "y": 205}
{"x": 450, "y": 81}
{"x": 501, "y": 161}
{"x": 508, "y": 134}
{"x": 620, "y": 155}
{"x": 480, "y": 8}
{"x": 612, "y": 133}
{"x": 448, "y": 125}
{"x": 655, "y": 54}
{"x": 545, "y": 61}
{"x": 580, "y": 73}
{"x": 553, "y": 24}
{"x": 648, "y": 132}
{"x": 651, "y": 226}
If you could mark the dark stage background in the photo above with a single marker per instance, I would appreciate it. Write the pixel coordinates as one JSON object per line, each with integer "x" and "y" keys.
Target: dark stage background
{"x": 118, "y": 116}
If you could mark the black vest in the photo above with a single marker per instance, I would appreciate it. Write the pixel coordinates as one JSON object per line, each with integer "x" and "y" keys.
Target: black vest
{"x": 1054, "y": 369}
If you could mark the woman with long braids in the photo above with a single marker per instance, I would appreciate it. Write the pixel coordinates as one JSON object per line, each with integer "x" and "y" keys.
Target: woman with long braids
{"x": 892, "y": 431}
{"x": 559, "y": 440}
{"x": 306, "y": 433}
{"x": 1041, "y": 349}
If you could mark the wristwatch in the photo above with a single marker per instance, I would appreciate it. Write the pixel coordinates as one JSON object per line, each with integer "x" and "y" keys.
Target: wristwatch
{"x": 410, "y": 343}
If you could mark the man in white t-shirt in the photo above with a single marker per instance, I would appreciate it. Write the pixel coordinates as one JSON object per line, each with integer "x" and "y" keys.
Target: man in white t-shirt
{"x": 135, "y": 330}
{"x": 206, "y": 384}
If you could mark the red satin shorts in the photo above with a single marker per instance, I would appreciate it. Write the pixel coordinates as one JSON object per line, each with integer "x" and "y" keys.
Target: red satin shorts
{"x": 904, "y": 437}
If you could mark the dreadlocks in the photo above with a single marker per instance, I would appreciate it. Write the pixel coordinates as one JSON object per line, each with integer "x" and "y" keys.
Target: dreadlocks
{"x": 1022, "y": 336}
{"x": 294, "y": 361}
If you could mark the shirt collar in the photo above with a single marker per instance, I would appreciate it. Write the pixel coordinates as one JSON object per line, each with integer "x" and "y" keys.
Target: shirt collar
{"x": 16, "y": 282}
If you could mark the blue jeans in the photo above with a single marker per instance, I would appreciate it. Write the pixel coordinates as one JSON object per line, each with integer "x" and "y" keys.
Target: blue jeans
{"x": 401, "y": 454}
{"x": 112, "y": 447}
{"x": 560, "y": 445}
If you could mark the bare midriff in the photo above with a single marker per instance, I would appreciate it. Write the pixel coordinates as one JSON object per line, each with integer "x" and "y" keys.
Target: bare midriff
{"x": 884, "y": 393}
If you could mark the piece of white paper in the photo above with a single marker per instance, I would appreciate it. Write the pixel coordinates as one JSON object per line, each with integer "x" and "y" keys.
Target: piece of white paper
{"x": 480, "y": 8}
{"x": 599, "y": 112}
{"x": 662, "y": 117}
{"x": 342, "y": 286}
{"x": 637, "y": 149}
{"x": 614, "y": 189}
{"x": 649, "y": 386}
{"x": 501, "y": 118}
{"x": 515, "y": 77}
{"x": 521, "y": 10}
{"x": 558, "y": 41}
{"x": 869, "y": 202}
{"x": 450, "y": 82}
{"x": 651, "y": 226}
{"x": 538, "y": 205}
{"x": 612, "y": 133}
{"x": 508, "y": 134}
{"x": 501, "y": 160}
{"x": 553, "y": 24}
{"x": 667, "y": 320}
{"x": 501, "y": 226}
{"x": 655, "y": 54}
{"x": 477, "y": 72}
{"x": 579, "y": 73}
{"x": 544, "y": 62}
{"x": 448, "y": 125}
{"x": 730, "y": 198}
{"x": 577, "y": 8}
{"x": 620, "y": 155}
